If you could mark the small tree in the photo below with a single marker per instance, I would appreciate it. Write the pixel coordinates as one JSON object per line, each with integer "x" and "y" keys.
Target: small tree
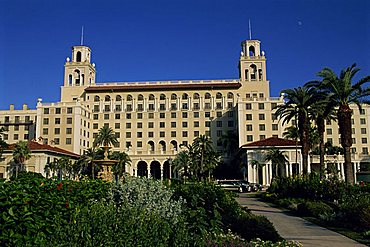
{"x": 119, "y": 168}
{"x": 278, "y": 159}
{"x": 21, "y": 153}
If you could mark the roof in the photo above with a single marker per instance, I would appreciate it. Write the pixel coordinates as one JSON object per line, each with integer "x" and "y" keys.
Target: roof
{"x": 271, "y": 142}
{"x": 37, "y": 147}
{"x": 165, "y": 86}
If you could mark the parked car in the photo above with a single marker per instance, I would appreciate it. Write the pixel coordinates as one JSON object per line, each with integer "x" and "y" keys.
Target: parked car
{"x": 234, "y": 185}
{"x": 255, "y": 186}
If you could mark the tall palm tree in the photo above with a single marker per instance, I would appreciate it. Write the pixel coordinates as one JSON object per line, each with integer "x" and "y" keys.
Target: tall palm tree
{"x": 342, "y": 92}
{"x": 106, "y": 137}
{"x": 182, "y": 163}
{"x": 213, "y": 160}
{"x": 119, "y": 168}
{"x": 202, "y": 145}
{"x": 298, "y": 102}
{"x": 21, "y": 153}
{"x": 278, "y": 159}
{"x": 87, "y": 160}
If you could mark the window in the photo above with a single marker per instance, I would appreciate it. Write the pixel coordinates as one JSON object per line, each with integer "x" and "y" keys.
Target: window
{"x": 139, "y": 134}
{"x": 69, "y": 131}
{"x": 16, "y": 127}
{"x": 230, "y": 123}
{"x": 219, "y": 96}
{"x": 57, "y": 110}
{"x": 230, "y": 114}
{"x": 207, "y": 114}
{"x": 150, "y": 125}
{"x": 207, "y": 133}
{"x": 184, "y": 134}
{"x": 129, "y": 107}
{"x": 56, "y": 141}
{"x": 173, "y": 114}
{"x": 353, "y": 131}
{"x": 139, "y": 116}
{"x": 275, "y": 127}
{"x": 249, "y": 127}
{"x": 128, "y": 125}
{"x": 196, "y": 124}
{"x": 362, "y": 111}
{"x": 262, "y": 127}
{"x": 196, "y": 114}
{"x": 196, "y": 133}
{"x": 128, "y": 115}
{"x": 363, "y": 130}
{"x": 208, "y": 123}
{"x": 207, "y": 106}
{"x": 184, "y": 124}
{"x": 219, "y": 133}
{"x": 46, "y": 121}
{"x": 261, "y": 116}
{"x": 117, "y": 116}
{"x": 106, "y": 116}
{"x": 46, "y": 110}
{"x": 117, "y": 135}
{"x": 151, "y": 115}
{"x": 151, "y": 97}
{"x": 261, "y": 95}
{"x": 173, "y": 107}
{"x": 218, "y": 105}
{"x": 173, "y": 133}
{"x": 150, "y": 134}
{"x": 219, "y": 114}
{"x": 173, "y": 124}
{"x": 362, "y": 121}
{"x": 140, "y": 107}
{"x": 139, "y": 125}
{"x": 68, "y": 141}
{"x": 173, "y": 96}
{"x": 106, "y": 108}
{"x": 128, "y": 134}
{"x": 261, "y": 106}
{"x": 162, "y": 125}
{"x": 45, "y": 131}
{"x": 273, "y": 116}
{"x": 365, "y": 150}
{"x": 353, "y": 150}
{"x": 196, "y": 106}
{"x": 162, "y": 115}
{"x": 273, "y": 106}
{"x": 219, "y": 123}
{"x": 184, "y": 96}
{"x": 162, "y": 134}
{"x": 184, "y": 115}
{"x": 162, "y": 97}
{"x": 117, "y": 125}
{"x": 207, "y": 96}
{"x": 57, "y": 131}
{"x": 96, "y": 108}
{"x": 139, "y": 144}
{"x": 329, "y": 131}
{"x": 249, "y": 138}
{"x": 69, "y": 110}
{"x": 185, "y": 106}
{"x": 95, "y": 116}
{"x": 69, "y": 119}
{"x": 248, "y": 116}
{"x": 262, "y": 137}
{"x": 352, "y": 121}
{"x": 364, "y": 140}
{"x": 151, "y": 107}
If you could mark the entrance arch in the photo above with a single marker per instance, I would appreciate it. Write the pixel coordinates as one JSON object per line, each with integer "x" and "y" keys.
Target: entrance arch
{"x": 166, "y": 170}
{"x": 155, "y": 170}
{"x": 142, "y": 169}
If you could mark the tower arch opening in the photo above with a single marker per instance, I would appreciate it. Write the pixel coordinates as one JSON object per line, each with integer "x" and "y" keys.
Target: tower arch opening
{"x": 78, "y": 56}
{"x": 252, "y": 51}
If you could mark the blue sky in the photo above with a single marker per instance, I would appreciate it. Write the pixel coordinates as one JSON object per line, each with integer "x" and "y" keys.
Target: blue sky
{"x": 175, "y": 39}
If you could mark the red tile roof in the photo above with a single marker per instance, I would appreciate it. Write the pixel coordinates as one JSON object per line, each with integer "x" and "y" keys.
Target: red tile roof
{"x": 150, "y": 87}
{"x": 37, "y": 147}
{"x": 272, "y": 142}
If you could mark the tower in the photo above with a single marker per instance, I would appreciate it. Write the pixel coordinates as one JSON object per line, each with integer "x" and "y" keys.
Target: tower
{"x": 79, "y": 73}
{"x": 252, "y": 68}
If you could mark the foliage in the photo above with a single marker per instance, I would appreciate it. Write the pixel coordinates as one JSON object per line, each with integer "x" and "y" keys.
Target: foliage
{"x": 314, "y": 208}
{"x": 278, "y": 159}
{"x": 119, "y": 168}
{"x": 105, "y": 137}
{"x": 86, "y": 165}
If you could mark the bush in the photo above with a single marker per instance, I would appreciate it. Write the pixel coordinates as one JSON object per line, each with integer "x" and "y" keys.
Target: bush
{"x": 355, "y": 210}
{"x": 314, "y": 208}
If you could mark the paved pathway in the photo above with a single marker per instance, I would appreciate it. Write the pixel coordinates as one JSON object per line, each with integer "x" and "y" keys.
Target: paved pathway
{"x": 295, "y": 228}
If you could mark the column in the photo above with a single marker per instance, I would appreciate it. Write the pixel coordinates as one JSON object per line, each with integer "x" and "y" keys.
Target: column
{"x": 264, "y": 174}
{"x": 161, "y": 167}
{"x": 342, "y": 170}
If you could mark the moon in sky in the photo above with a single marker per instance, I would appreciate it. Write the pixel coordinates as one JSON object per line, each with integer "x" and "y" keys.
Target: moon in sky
{"x": 299, "y": 23}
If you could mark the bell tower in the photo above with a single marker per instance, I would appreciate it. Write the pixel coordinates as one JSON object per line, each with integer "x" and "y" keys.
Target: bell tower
{"x": 252, "y": 68}
{"x": 79, "y": 73}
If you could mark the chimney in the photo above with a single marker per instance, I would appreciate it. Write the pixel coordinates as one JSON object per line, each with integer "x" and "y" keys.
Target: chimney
{"x": 25, "y": 107}
{"x": 11, "y": 107}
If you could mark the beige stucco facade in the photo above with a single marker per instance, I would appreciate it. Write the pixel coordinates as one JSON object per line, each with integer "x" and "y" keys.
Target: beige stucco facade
{"x": 151, "y": 119}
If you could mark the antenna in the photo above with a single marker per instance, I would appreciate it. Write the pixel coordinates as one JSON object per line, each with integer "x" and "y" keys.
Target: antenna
{"x": 250, "y": 29}
{"x": 82, "y": 35}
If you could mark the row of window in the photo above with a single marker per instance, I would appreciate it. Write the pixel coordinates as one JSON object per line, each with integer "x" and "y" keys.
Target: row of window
{"x": 151, "y": 115}
{"x": 16, "y": 137}
{"x": 262, "y": 127}
{"x": 18, "y": 128}
{"x": 46, "y": 121}
{"x": 363, "y": 131}
{"x": 17, "y": 119}
{"x": 261, "y": 116}
{"x": 58, "y": 110}
{"x": 261, "y": 106}
{"x": 173, "y": 96}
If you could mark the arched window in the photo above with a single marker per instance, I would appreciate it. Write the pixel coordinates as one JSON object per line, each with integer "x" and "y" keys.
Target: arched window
{"x": 129, "y": 97}
{"x": 173, "y": 96}
{"x": 207, "y": 96}
{"x": 83, "y": 79}
{"x": 246, "y": 74}
{"x": 162, "y": 145}
{"x": 196, "y": 96}
{"x": 252, "y": 51}
{"x": 230, "y": 95}
{"x": 70, "y": 80}
{"x": 174, "y": 145}
{"x": 77, "y": 77}
{"x": 151, "y": 97}
{"x": 184, "y": 96}
{"x": 260, "y": 74}
{"x": 107, "y": 98}
{"x": 78, "y": 58}
{"x": 162, "y": 97}
{"x": 140, "y": 97}
{"x": 96, "y": 98}
{"x": 151, "y": 146}
{"x": 219, "y": 96}
{"x": 253, "y": 71}
{"x": 118, "y": 98}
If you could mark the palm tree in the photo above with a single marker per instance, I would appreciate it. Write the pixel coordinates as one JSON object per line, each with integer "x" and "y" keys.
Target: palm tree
{"x": 21, "y": 153}
{"x": 343, "y": 93}
{"x": 256, "y": 164}
{"x": 87, "y": 160}
{"x": 106, "y": 137}
{"x": 202, "y": 145}
{"x": 120, "y": 167}
{"x": 298, "y": 102}
{"x": 278, "y": 159}
{"x": 213, "y": 160}
{"x": 182, "y": 163}
{"x": 230, "y": 142}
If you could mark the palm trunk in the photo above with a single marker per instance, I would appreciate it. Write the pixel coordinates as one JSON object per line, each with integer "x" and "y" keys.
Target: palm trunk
{"x": 303, "y": 129}
{"x": 321, "y": 129}
{"x": 345, "y": 130}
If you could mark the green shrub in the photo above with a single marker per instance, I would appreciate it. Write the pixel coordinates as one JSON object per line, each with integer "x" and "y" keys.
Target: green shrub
{"x": 355, "y": 210}
{"x": 313, "y": 208}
